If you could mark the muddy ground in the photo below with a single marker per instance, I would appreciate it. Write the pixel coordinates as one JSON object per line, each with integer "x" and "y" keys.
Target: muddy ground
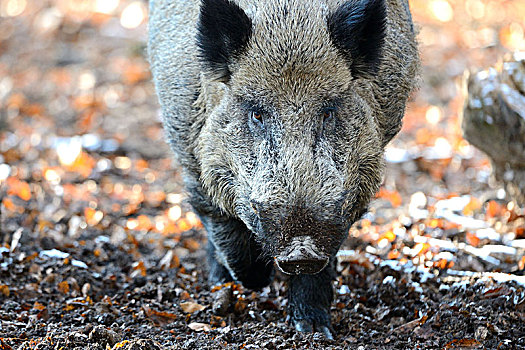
{"x": 99, "y": 250}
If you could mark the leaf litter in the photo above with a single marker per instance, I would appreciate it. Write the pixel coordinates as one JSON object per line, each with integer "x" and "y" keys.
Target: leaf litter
{"x": 99, "y": 249}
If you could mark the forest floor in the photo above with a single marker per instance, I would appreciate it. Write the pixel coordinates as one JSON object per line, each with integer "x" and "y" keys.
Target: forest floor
{"x": 99, "y": 250}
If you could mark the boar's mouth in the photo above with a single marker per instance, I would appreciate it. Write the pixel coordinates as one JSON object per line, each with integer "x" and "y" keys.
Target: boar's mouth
{"x": 301, "y": 257}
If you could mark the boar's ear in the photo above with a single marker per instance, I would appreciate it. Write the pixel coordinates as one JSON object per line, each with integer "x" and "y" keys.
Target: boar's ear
{"x": 357, "y": 29}
{"x": 223, "y": 32}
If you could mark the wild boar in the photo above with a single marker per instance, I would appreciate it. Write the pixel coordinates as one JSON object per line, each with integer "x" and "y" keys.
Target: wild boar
{"x": 278, "y": 112}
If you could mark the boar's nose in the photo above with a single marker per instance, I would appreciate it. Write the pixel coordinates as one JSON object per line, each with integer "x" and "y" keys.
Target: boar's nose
{"x": 299, "y": 266}
{"x": 301, "y": 256}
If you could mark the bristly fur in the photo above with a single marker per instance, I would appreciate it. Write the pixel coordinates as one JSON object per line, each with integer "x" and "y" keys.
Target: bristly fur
{"x": 297, "y": 174}
{"x": 357, "y": 29}
{"x": 223, "y": 32}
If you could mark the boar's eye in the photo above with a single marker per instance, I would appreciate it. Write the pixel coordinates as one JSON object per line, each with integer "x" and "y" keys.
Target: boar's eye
{"x": 256, "y": 116}
{"x": 328, "y": 113}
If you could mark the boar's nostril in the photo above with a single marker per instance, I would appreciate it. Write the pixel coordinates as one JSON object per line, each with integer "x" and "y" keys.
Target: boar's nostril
{"x": 300, "y": 266}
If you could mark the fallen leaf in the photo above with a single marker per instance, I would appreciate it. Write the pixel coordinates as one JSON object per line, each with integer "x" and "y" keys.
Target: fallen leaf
{"x": 8, "y": 204}
{"x": 82, "y": 165}
{"x": 92, "y": 216}
{"x": 139, "y": 268}
{"x": 68, "y": 307}
{"x": 159, "y": 317}
{"x": 121, "y": 344}
{"x": 190, "y": 307}
{"x": 389, "y": 235}
{"x": 4, "y": 289}
{"x": 409, "y": 326}
{"x": 472, "y": 239}
{"x": 38, "y": 306}
{"x": 199, "y": 327}
{"x": 240, "y": 305}
{"x": 472, "y": 206}
{"x": 63, "y": 287}
{"x": 221, "y": 286}
{"x": 462, "y": 343}
{"x": 393, "y": 254}
{"x": 185, "y": 295}
{"x": 493, "y": 209}
{"x": 392, "y": 196}
{"x": 18, "y": 188}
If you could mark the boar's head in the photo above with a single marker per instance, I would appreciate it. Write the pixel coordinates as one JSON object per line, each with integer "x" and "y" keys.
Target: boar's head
{"x": 290, "y": 143}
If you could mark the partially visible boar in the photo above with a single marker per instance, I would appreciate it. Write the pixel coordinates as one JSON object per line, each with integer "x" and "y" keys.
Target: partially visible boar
{"x": 279, "y": 111}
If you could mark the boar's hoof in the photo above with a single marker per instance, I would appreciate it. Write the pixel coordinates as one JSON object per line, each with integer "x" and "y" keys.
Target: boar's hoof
{"x": 300, "y": 266}
{"x": 308, "y": 327}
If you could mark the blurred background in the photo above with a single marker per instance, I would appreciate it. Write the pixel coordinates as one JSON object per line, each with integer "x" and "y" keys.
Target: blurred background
{"x": 82, "y": 150}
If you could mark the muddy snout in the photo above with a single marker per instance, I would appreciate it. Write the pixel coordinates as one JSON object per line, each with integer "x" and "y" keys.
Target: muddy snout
{"x": 301, "y": 257}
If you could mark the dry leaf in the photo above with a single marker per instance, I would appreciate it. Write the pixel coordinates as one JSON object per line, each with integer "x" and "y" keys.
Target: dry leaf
{"x": 190, "y": 307}
{"x": 159, "y": 317}
{"x": 472, "y": 239}
{"x": 493, "y": 209}
{"x": 18, "y": 188}
{"x": 199, "y": 327}
{"x": 392, "y": 196}
{"x": 63, "y": 287}
{"x": 138, "y": 269}
{"x": 4, "y": 289}
{"x": 38, "y": 306}
{"x": 462, "y": 344}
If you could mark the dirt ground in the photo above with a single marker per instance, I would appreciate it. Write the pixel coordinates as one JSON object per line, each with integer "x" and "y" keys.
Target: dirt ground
{"x": 99, "y": 250}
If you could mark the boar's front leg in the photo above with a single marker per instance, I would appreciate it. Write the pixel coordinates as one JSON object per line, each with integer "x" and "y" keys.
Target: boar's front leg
{"x": 234, "y": 255}
{"x": 309, "y": 300}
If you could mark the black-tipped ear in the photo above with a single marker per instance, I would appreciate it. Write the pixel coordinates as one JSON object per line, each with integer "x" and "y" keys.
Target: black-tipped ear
{"x": 223, "y": 32}
{"x": 357, "y": 28}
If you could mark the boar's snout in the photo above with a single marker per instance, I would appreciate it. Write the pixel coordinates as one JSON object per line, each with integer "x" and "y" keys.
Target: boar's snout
{"x": 302, "y": 256}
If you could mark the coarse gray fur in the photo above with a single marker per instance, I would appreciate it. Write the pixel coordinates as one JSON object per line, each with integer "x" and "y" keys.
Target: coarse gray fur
{"x": 255, "y": 190}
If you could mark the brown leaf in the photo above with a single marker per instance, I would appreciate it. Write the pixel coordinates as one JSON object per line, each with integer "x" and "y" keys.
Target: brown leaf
{"x": 462, "y": 343}
{"x": 159, "y": 317}
{"x": 221, "y": 286}
{"x": 63, "y": 287}
{"x": 240, "y": 305}
{"x": 190, "y": 307}
{"x": 4, "y": 289}
{"x": 38, "y": 306}
{"x": 138, "y": 269}
{"x": 409, "y": 326}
